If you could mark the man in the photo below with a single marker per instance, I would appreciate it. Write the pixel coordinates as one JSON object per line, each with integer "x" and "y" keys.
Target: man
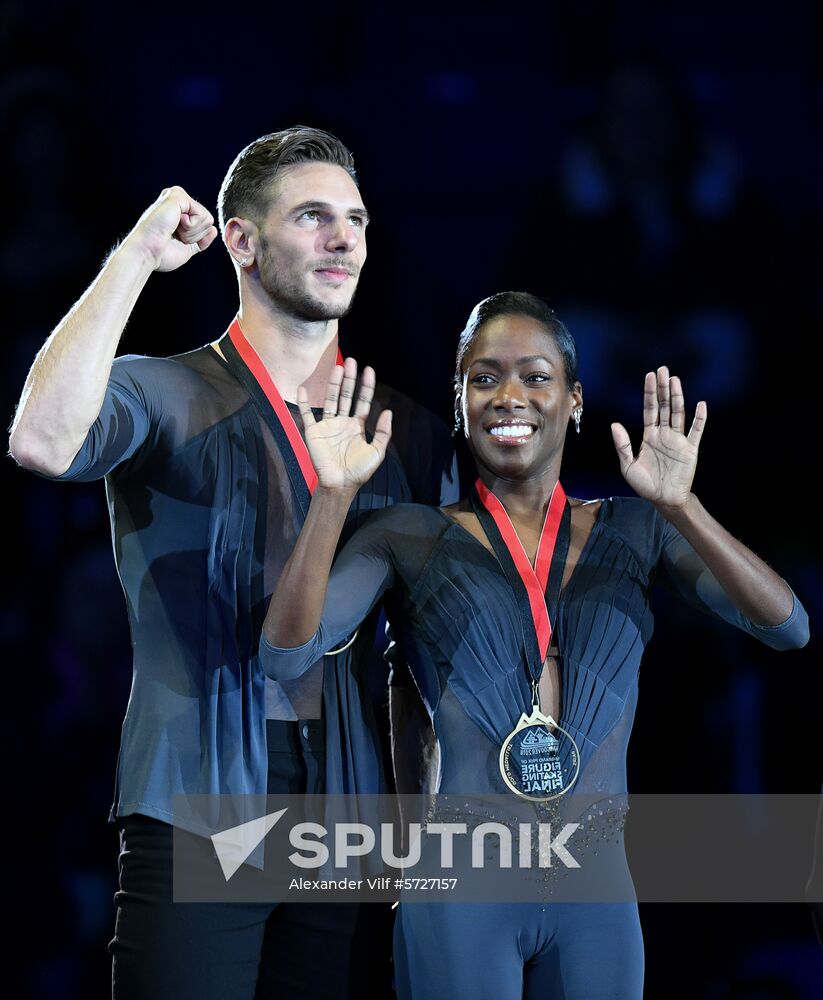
{"x": 208, "y": 483}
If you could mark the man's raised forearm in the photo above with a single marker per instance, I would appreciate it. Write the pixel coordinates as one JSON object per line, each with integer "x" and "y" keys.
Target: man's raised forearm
{"x": 65, "y": 388}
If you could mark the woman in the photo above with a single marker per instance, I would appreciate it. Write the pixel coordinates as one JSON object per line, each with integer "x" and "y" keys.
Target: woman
{"x": 485, "y": 646}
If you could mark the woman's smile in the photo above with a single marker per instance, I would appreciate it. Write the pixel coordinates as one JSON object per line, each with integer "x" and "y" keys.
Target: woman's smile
{"x": 508, "y": 433}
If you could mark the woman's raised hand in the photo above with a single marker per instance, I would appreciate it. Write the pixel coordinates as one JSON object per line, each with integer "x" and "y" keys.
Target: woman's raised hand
{"x": 663, "y": 469}
{"x": 342, "y": 456}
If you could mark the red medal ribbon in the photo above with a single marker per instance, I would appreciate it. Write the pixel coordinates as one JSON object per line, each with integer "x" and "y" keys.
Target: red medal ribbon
{"x": 258, "y": 369}
{"x": 534, "y": 579}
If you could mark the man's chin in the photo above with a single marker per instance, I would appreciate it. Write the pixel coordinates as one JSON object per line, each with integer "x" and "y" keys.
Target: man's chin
{"x": 319, "y": 309}
{"x": 314, "y": 309}
{"x": 325, "y": 311}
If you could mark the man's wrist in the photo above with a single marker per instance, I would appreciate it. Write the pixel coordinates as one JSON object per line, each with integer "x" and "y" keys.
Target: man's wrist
{"x": 130, "y": 254}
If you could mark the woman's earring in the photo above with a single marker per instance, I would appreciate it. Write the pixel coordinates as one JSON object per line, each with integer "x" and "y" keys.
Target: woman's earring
{"x": 578, "y": 413}
{"x": 243, "y": 261}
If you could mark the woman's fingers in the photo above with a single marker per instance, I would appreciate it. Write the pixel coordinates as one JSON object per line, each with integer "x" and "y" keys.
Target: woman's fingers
{"x": 366, "y": 393}
{"x": 650, "y": 409}
{"x": 303, "y": 406}
{"x": 678, "y": 403}
{"x": 333, "y": 392}
{"x": 623, "y": 445}
{"x": 382, "y": 432}
{"x": 663, "y": 400}
{"x": 664, "y": 404}
{"x": 344, "y": 397}
{"x": 699, "y": 422}
{"x": 344, "y": 406}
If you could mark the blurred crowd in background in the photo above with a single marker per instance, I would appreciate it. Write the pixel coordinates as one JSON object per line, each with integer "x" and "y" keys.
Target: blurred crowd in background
{"x": 656, "y": 172}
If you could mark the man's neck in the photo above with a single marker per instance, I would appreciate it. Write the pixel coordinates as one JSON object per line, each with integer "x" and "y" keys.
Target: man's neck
{"x": 295, "y": 352}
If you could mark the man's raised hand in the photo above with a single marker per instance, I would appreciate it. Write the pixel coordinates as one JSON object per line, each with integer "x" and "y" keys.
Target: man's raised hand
{"x": 172, "y": 230}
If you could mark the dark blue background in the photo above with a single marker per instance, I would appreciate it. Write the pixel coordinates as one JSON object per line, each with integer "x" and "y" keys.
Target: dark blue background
{"x": 654, "y": 170}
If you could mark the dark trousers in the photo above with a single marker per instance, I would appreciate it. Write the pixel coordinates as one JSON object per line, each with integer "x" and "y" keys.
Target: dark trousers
{"x": 242, "y": 951}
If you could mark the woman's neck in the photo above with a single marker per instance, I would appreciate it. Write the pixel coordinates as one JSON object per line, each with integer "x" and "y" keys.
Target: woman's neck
{"x": 522, "y": 498}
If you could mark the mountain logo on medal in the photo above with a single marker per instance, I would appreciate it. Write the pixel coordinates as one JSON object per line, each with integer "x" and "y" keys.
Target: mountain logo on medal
{"x": 539, "y": 738}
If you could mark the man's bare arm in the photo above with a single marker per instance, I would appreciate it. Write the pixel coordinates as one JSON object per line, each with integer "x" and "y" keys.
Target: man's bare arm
{"x": 66, "y": 386}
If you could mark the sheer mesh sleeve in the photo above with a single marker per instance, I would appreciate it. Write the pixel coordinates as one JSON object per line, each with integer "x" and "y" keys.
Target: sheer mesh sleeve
{"x": 123, "y": 423}
{"x": 389, "y": 551}
{"x": 686, "y": 572}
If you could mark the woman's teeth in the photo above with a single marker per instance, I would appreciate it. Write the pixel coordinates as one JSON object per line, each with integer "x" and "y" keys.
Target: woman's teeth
{"x": 512, "y": 431}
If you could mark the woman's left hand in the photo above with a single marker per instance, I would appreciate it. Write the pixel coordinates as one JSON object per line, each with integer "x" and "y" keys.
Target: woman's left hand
{"x": 663, "y": 469}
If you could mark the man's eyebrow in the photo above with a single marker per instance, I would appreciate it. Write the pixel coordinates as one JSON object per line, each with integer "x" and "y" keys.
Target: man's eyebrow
{"x": 326, "y": 206}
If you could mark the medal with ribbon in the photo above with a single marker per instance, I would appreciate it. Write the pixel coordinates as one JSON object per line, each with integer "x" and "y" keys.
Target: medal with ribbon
{"x": 539, "y": 760}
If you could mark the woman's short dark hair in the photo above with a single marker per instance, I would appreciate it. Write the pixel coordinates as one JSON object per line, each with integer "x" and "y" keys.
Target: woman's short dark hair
{"x": 517, "y": 304}
{"x": 246, "y": 188}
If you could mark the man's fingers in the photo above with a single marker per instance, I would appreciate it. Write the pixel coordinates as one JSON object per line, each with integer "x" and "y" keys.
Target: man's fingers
{"x": 196, "y": 235}
{"x": 208, "y": 239}
{"x": 366, "y": 393}
{"x": 195, "y": 221}
{"x": 187, "y": 205}
{"x": 194, "y": 227}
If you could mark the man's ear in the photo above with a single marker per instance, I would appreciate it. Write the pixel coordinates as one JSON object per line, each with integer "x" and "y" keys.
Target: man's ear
{"x": 242, "y": 239}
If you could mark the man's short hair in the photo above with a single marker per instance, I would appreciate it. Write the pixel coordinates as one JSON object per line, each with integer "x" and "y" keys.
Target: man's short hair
{"x": 246, "y": 188}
